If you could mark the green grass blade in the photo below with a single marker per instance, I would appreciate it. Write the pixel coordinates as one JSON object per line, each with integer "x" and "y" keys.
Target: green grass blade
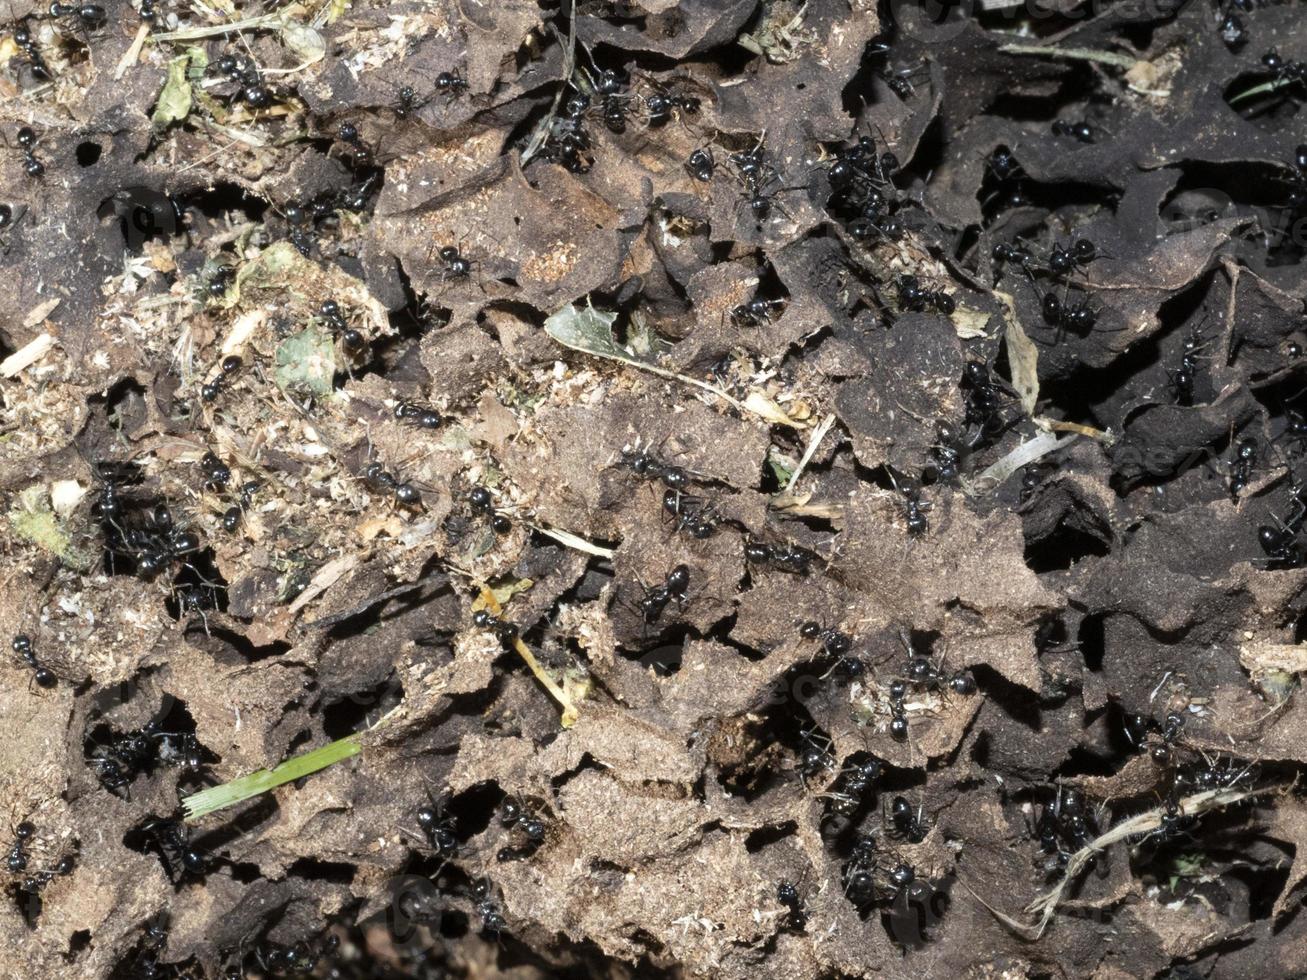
{"x": 1271, "y": 86}
{"x": 214, "y": 798}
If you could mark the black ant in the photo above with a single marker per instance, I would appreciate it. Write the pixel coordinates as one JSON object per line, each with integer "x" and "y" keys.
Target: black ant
{"x": 925, "y": 675}
{"x": 1211, "y": 774}
{"x": 663, "y": 104}
{"x": 863, "y": 195}
{"x": 947, "y": 452}
{"x": 1003, "y": 164}
{"x": 518, "y": 817}
{"x": 486, "y": 620}
{"x": 701, "y": 165}
{"x": 642, "y": 463}
{"x": 1063, "y": 316}
{"x": 350, "y": 339}
{"x": 1231, "y": 26}
{"x": 91, "y": 15}
{"x": 1287, "y": 72}
{"x": 25, "y": 42}
{"x": 1297, "y": 195}
{"x": 404, "y": 493}
{"x": 1080, "y": 130}
{"x": 421, "y": 416}
{"x": 1013, "y": 253}
{"x": 1232, "y": 31}
{"x": 689, "y": 514}
{"x": 614, "y": 106}
{"x": 814, "y": 758}
{"x": 1065, "y": 827}
{"x": 42, "y": 676}
{"x": 1173, "y": 822}
{"x": 217, "y": 284}
{"x": 1032, "y": 478}
{"x": 181, "y": 751}
{"x": 17, "y": 860}
{"x": 860, "y": 170}
{"x": 914, "y": 507}
{"x": 1280, "y": 540}
{"x": 1080, "y": 255}
{"x": 247, "y": 80}
{"x": 210, "y": 390}
{"x": 889, "y": 227}
{"x": 984, "y": 404}
{"x": 760, "y": 201}
{"x": 138, "y": 751}
{"x": 360, "y": 154}
{"x": 438, "y": 829}
{"x": 34, "y": 883}
{"x": 1078, "y": 319}
{"x": 172, "y": 842}
{"x": 858, "y": 873}
{"x": 756, "y": 312}
{"x": 852, "y": 788}
{"x": 898, "y": 722}
{"x": 673, "y": 589}
{"x": 915, "y": 297}
{"x": 298, "y": 960}
{"x": 1182, "y": 379}
{"x": 834, "y": 643}
{"x": 7, "y": 220}
{"x": 900, "y": 81}
{"x": 457, "y": 265}
{"x": 451, "y": 83}
{"x": 787, "y": 894}
{"x": 568, "y": 143}
{"x": 907, "y": 889}
{"x": 27, "y": 143}
{"x": 785, "y": 558}
{"x": 756, "y": 176}
{"x": 216, "y": 473}
{"x": 231, "y": 517}
{"x": 483, "y": 504}
{"x": 1163, "y": 753}
{"x": 906, "y": 822}
{"x": 1242, "y": 466}
{"x": 407, "y": 102}
{"x": 492, "y": 918}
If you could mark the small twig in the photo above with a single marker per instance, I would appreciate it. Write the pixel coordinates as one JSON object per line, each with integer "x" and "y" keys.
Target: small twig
{"x": 248, "y": 24}
{"x": 589, "y": 339}
{"x": 574, "y": 541}
{"x": 541, "y": 132}
{"x": 1045, "y": 905}
{"x": 570, "y": 711}
{"x": 1072, "y": 54}
{"x": 1027, "y": 452}
{"x": 818, "y": 434}
{"x": 133, "y": 51}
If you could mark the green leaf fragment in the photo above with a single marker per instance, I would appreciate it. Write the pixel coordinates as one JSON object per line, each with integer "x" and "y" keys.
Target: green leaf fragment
{"x": 591, "y": 332}
{"x": 306, "y": 363}
{"x": 32, "y": 520}
{"x": 586, "y": 329}
{"x": 305, "y": 42}
{"x": 175, "y": 101}
{"x": 780, "y": 467}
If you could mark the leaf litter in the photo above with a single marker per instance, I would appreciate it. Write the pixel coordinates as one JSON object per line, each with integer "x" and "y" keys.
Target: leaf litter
{"x": 600, "y": 488}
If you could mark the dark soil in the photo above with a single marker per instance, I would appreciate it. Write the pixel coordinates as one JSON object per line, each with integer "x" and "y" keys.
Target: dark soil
{"x": 774, "y": 489}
